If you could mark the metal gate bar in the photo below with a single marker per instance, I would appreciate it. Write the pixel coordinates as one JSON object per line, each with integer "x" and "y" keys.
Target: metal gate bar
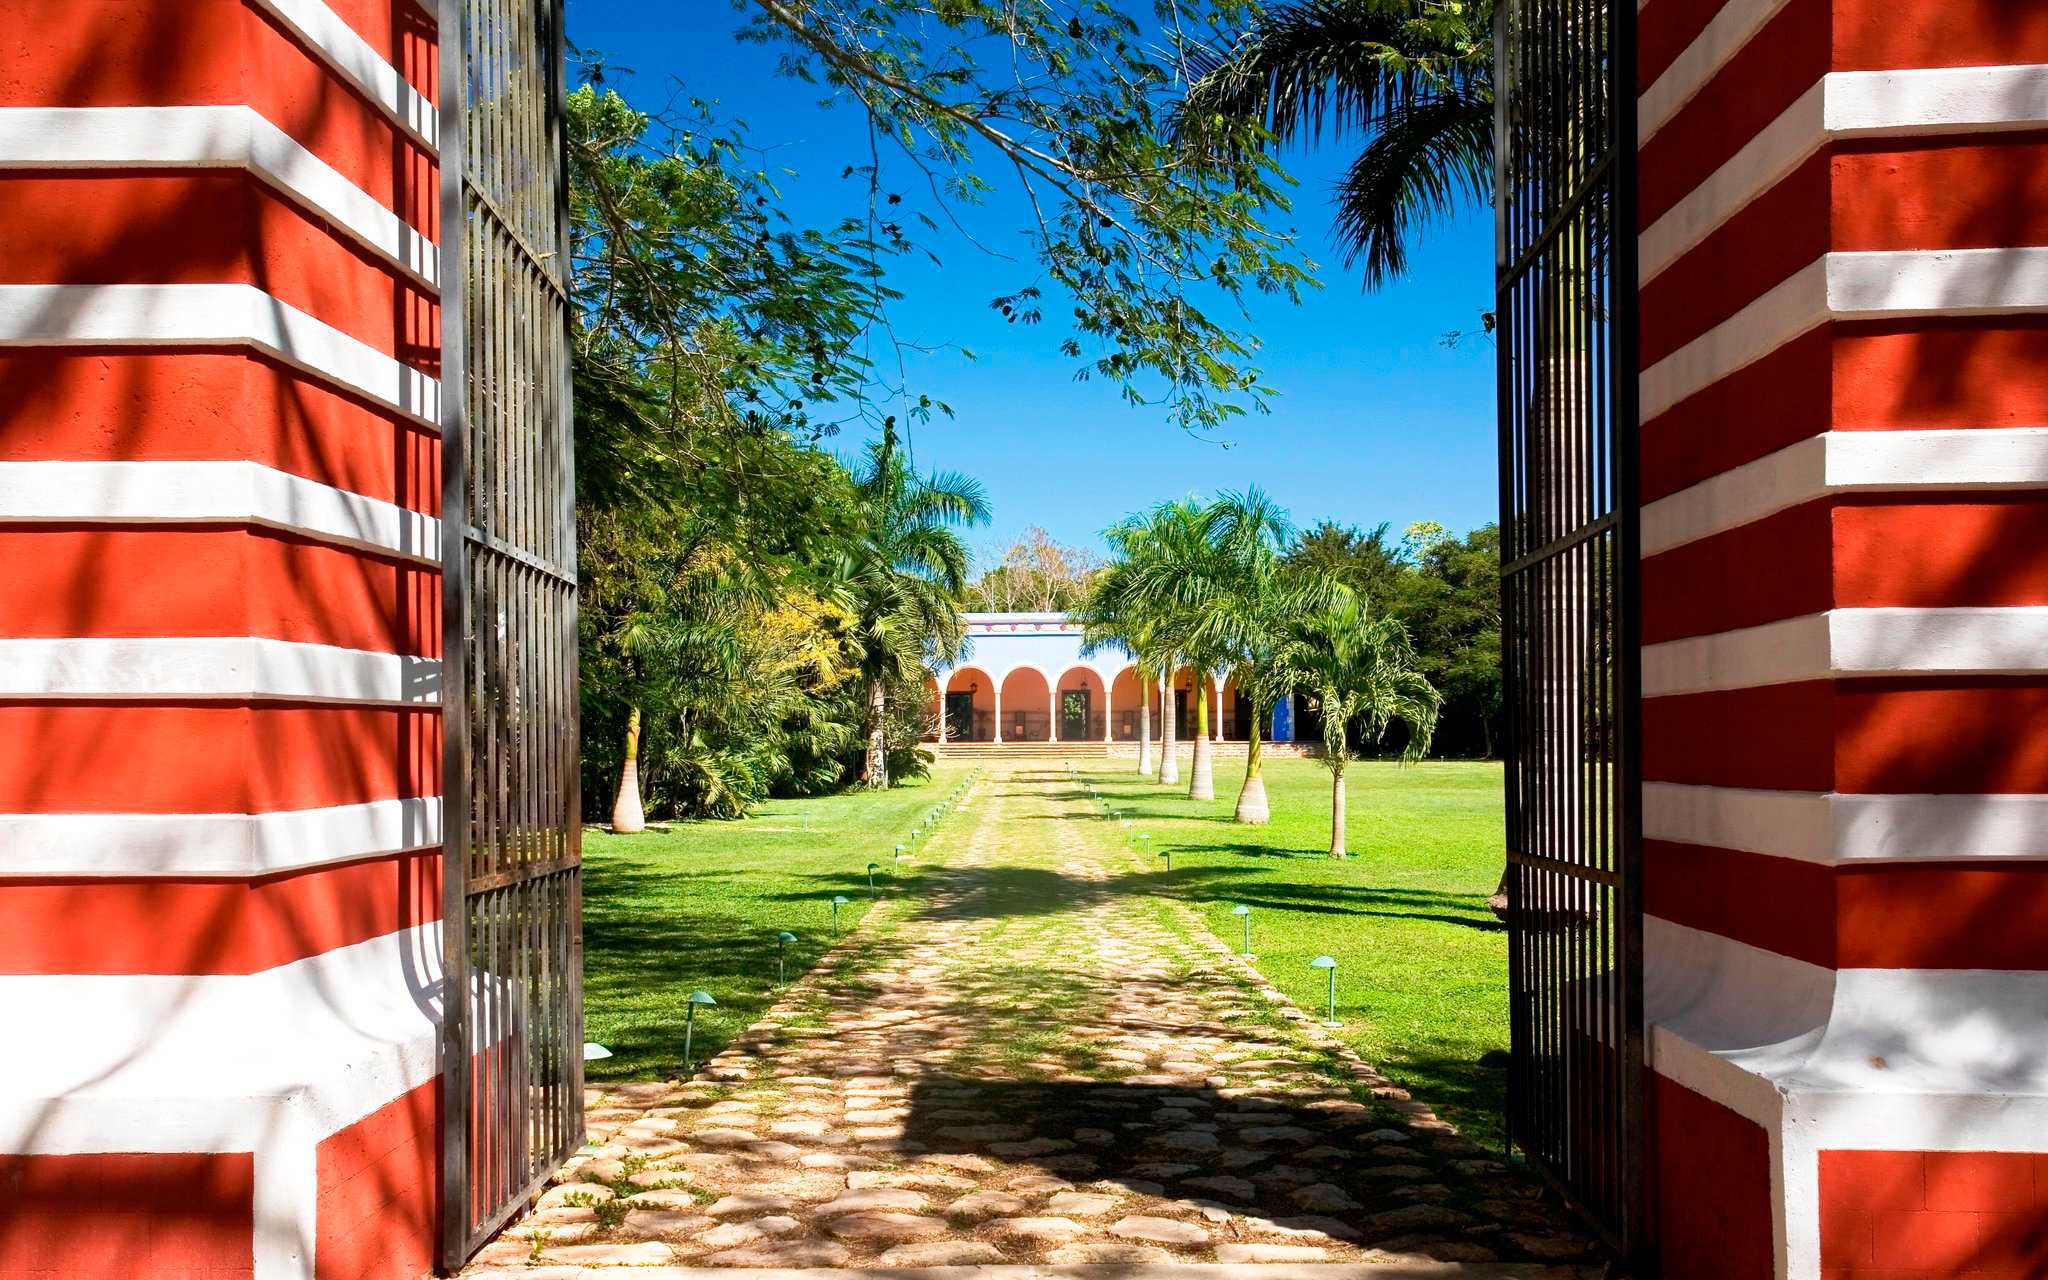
{"x": 512, "y": 1031}
{"x": 1566, "y": 309}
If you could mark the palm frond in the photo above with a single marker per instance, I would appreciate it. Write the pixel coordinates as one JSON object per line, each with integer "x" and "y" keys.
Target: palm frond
{"x": 1427, "y": 161}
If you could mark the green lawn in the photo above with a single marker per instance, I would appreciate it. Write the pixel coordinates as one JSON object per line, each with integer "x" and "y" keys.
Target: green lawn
{"x": 698, "y": 907}
{"x": 1422, "y": 963}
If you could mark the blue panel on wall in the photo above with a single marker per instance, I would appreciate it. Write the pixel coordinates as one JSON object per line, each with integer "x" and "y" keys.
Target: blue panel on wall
{"x": 1283, "y": 720}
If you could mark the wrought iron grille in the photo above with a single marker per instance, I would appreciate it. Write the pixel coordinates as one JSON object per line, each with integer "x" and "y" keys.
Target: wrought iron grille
{"x": 1566, "y": 310}
{"x": 513, "y": 1027}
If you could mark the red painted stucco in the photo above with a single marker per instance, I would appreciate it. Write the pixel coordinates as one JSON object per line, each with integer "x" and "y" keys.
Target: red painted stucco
{"x": 126, "y": 1216}
{"x": 1712, "y": 1188}
{"x": 379, "y": 1202}
{"x": 86, "y": 757}
{"x": 1913, "y": 1215}
{"x": 212, "y": 926}
{"x": 230, "y": 581}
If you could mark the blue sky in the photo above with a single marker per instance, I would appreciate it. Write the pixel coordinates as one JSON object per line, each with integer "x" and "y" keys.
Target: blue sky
{"x": 1376, "y": 420}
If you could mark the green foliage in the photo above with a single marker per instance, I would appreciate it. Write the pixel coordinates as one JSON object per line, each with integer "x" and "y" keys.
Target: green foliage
{"x": 902, "y": 576}
{"x": 1446, "y": 591}
{"x": 1141, "y": 244}
{"x": 1363, "y": 675}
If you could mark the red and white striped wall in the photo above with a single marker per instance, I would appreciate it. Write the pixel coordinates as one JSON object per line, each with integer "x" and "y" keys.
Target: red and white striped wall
{"x": 219, "y": 638}
{"x": 1844, "y": 274}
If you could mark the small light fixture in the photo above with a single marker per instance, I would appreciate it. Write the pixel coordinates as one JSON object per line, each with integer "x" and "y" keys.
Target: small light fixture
{"x": 1246, "y": 912}
{"x": 1327, "y": 962}
{"x": 690, "y": 1027}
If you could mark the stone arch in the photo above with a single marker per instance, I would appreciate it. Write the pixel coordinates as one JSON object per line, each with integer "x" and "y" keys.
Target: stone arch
{"x": 1025, "y": 710}
{"x": 1084, "y": 679}
{"x": 979, "y": 717}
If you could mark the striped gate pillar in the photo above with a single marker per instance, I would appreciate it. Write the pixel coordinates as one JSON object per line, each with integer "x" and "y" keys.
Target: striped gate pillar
{"x": 1844, "y": 274}
{"x": 219, "y": 628}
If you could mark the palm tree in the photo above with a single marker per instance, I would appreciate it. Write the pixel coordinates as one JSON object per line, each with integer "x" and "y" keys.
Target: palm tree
{"x": 1175, "y": 573}
{"x": 1252, "y": 617}
{"x": 1107, "y": 620}
{"x": 902, "y": 578}
{"x": 1359, "y": 667}
{"x": 1412, "y": 78}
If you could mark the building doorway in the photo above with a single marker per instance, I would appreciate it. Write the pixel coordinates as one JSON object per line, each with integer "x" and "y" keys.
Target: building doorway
{"x": 1074, "y": 706}
{"x": 960, "y": 716}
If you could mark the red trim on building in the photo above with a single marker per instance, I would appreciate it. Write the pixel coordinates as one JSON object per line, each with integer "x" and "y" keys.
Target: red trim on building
{"x": 1777, "y": 904}
{"x": 1773, "y": 237}
{"x": 1887, "y": 915}
{"x": 1663, "y": 30}
{"x": 214, "y": 53}
{"x": 1939, "y": 373}
{"x": 1879, "y": 35}
{"x": 93, "y": 757}
{"x": 212, "y": 926}
{"x": 1712, "y": 584}
{"x": 219, "y": 227}
{"x": 126, "y": 1216}
{"x": 1757, "y": 410}
{"x": 1933, "y": 1215}
{"x": 202, "y": 406}
{"x": 1751, "y": 89}
{"x": 110, "y": 581}
{"x": 1713, "y": 1188}
{"x": 380, "y": 1192}
{"x": 1950, "y": 736}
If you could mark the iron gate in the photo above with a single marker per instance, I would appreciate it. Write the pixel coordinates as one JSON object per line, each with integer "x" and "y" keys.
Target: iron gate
{"x": 1565, "y": 223}
{"x": 512, "y": 1034}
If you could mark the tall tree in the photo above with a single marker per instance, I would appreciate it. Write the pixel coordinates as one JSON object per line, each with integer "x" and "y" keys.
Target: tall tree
{"x": 1251, "y": 615}
{"x": 1361, "y": 670}
{"x": 1113, "y": 616}
{"x": 903, "y": 577}
{"x": 1412, "y": 79}
{"x": 1035, "y": 574}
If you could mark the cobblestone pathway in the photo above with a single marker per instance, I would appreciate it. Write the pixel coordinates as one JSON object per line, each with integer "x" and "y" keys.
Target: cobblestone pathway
{"x": 1029, "y": 1063}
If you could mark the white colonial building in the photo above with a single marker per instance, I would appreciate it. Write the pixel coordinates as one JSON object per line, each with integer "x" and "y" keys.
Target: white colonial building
{"x": 1025, "y": 677}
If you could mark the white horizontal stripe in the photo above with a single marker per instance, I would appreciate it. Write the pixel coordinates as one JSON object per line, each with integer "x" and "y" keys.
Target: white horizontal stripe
{"x": 235, "y": 667}
{"x": 1848, "y": 462}
{"x": 1855, "y": 1059}
{"x": 1848, "y": 104}
{"x": 148, "y": 1063}
{"x": 1831, "y": 828}
{"x": 1733, "y": 27}
{"x": 211, "y": 315}
{"x": 213, "y": 493}
{"x": 337, "y": 44}
{"x": 1852, "y": 286}
{"x": 213, "y": 138}
{"x": 1844, "y": 643}
{"x": 214, "y": 844}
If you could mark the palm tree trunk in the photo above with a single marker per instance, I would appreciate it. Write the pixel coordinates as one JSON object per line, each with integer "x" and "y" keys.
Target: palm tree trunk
{"x": 1169, "y": 758}
{"x": 1144, "y": 729}
{"x": 628, "y": 818}
{"x": 1202, "y": 778}
{"x": 877, "y": 771}
{"x": 1251, "y": 798}
{"x": 1337, "y": 798}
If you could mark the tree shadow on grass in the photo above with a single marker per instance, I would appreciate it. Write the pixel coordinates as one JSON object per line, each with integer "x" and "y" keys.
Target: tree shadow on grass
{"x": 991, "y": 892}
